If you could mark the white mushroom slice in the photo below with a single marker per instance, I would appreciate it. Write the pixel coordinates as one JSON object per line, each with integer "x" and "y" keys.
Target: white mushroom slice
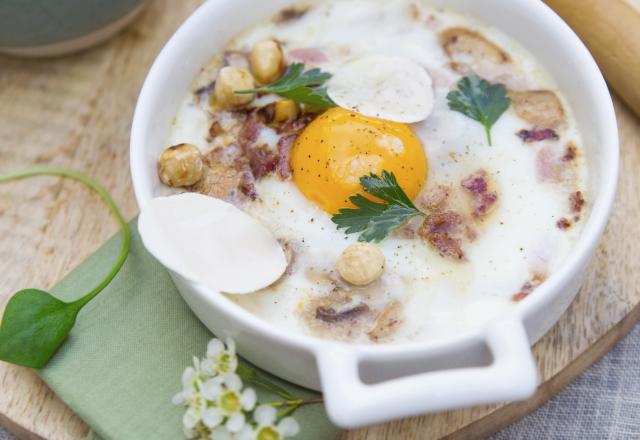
{"x": 211, "y": 242}
{"x": 386, "y": 87}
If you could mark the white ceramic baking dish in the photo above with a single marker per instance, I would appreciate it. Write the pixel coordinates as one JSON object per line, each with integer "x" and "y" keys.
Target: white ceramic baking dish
{"x": 365, "y": 384}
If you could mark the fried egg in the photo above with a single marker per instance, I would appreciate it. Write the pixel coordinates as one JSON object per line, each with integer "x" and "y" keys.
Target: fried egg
{"x": 340, "y": 146}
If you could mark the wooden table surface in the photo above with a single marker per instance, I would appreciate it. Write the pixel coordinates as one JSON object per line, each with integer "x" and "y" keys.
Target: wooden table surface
{"x": 76, "y": 112}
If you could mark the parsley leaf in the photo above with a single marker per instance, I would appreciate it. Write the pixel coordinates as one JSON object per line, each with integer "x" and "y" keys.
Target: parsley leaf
{"x": 304, "y": 87}
{"x": 375, "y": 220}
{"x": 480, "y": 100}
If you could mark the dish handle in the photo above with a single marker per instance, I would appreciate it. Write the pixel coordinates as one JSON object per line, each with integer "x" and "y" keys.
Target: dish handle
{"x": 351, "y": 403}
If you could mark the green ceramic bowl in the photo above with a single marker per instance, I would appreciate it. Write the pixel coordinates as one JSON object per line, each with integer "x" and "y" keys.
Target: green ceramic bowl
{"x": 54, "y": 27}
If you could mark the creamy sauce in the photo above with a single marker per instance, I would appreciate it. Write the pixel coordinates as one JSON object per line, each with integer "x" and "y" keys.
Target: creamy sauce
{"x": 441, "y": 297}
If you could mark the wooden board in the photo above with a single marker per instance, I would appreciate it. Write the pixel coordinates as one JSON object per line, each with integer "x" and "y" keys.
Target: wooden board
{"x": 76, "y": 112}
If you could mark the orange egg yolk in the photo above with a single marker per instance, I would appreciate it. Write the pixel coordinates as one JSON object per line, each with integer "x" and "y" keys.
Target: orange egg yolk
{"x": 340, "y": 146}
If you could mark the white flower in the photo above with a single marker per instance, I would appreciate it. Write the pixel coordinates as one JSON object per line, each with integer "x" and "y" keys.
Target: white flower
{"x": 191, "y": 384}
{"x": 265, "y": 416}
{"x": 230, "y": 401}
{"x": 219, "y": 408}
{"x": 220, "y": 359}
{"x": 221, "y": 433}
{"x": 194, "y": 414}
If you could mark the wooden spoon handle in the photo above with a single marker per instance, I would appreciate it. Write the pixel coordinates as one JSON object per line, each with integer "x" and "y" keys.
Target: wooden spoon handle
{"x": 611, "y": 30}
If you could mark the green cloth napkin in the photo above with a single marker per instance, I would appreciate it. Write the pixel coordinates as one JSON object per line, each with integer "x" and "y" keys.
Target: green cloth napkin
{"x": 124, "y": 359}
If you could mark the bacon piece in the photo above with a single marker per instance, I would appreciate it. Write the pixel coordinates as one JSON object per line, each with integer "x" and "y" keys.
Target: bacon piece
{"x": 285, "y": 145}
{"x": 331, "y": 315}
{"x": 483, "y": 200}
{"x": 296, "y": 125}
{"x": 577, "y": 202}
{"x": 439, "y": 229}
{"x": 570, "y": 153}
{"x": 250, "y": 131}
{"x": 528, "y": 287}
{"x": 529, "y": 136}
{"x": 247, "y": 181}
{"x": 310, "y": 56}
{"x": 262, "y": 161}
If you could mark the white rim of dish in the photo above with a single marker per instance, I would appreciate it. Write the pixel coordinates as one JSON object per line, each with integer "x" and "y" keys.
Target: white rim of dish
{"x": 578, "y": 257}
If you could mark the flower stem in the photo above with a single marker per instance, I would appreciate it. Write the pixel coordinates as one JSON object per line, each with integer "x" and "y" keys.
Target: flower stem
{"x": 253, "y": 376}
{"x": 106, "y": 198}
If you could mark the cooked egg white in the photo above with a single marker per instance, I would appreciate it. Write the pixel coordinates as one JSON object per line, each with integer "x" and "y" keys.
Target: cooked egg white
{"x": 441, "y": 297}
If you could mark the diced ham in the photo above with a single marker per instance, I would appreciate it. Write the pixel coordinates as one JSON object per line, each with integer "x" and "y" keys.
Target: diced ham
{"x": 440, "y": 230}
{"x": 484, "y": 201}
{"x": 250, "y": 131}
{"x": 548, "y": 166}
{"x": 262, "y": 161}
{"x": 296, "y": 125}
{"x": 285, "y": 145}
{"x": 310, "y": 56}
{"x": 248, "y": 182}
{"x": 529, "y": 136}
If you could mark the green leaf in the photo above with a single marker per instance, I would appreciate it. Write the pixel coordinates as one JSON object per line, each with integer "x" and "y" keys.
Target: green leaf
{"x": 34, "y": 326}
{"x": 480, "y": 100}
{"x": 300, "y": 86}
{"x": 373, "y": 220}
{"x": 390, "y": 219}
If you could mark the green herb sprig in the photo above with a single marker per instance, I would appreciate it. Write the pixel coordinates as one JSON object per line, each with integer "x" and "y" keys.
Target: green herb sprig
{"x": 480, "y": 100}
{"x": 375, "y": 220}
{"x": 304, "y": 87}
{"x": 35, "y": 324}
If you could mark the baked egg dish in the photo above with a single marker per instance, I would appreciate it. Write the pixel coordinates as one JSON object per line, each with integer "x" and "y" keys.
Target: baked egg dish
{"x": 371, "y": 171}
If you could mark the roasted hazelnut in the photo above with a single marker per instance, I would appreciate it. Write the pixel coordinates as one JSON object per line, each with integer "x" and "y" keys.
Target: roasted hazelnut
{"x": 267, "y": 61}
{"x": 230, "y": 80}
{"x": 286, "y": 110}
{"x": 180, "y": 165}
{"x": 360, "y": 264}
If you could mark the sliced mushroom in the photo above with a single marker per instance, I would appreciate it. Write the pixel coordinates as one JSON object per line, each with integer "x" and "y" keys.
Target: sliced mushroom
{"x": 341, "y": 315}
{"x": 220, "y": 177}
{"x": 541, "y": 108}
{"x": 469, "y": 49}
{"x": 387, "y": 322}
